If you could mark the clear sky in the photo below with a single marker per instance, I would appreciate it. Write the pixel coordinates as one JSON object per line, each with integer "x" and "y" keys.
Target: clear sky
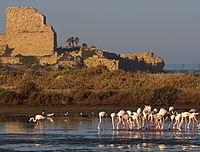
{"x": 170, "y": 28}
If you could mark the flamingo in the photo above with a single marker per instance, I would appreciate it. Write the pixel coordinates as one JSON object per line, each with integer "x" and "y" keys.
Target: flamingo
{"x": 43, "y": 112}
{"x": 129, "y": 112}
{"x": 120, "y": 114}
{"x": 171, "y": 109}
{"x": 146, "y": 111}
{"x": 134, "y": 120}
{"x": 101, "y": 115}
{"x": 66, "y": 113}
{"x": 184, "y": 115}
{"x": 160, "y": 121}
{"x": 37, "y": 118}
{"x": 139, "y": 110}
{"x": 112, "y": 115}
{"x": 50, "y": 115}
{"x": 172, "y": 118}
{"x": 192, "y": 118}
{"x": 126, "y": 118}
{"x": 177, "y": 121}
{"x": 193, "y": 110}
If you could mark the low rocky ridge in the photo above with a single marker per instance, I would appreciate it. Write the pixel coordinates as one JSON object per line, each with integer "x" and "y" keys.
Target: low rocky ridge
{"x": 89, "y": 57}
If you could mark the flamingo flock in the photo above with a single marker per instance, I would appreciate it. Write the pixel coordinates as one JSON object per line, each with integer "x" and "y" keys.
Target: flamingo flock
{"x": 147, "y": 118}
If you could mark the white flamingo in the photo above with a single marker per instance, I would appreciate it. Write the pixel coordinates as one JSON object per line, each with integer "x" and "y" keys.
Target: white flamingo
{"x": 129, "y": 112}
{"x": 120, "y": 114}
{"x": 193, "y": 110}
{"x": 66, "y": 113}
{"x": 112, "y": 115}
{"x": 159, "y": 119}
{"x": 177, "y": 121}
{"x": 43, "y": 112}
{"x": 101, "y": 115}
{"x": 134, "y": 121}
{"x": 146, "y": 111}
{"x": 192, "y": 118}
{"x": 184, "y": 115}
{"x": 171, "y": 109}
{"x": 172, "y": 118}
{"x": 37, "y": 118}
{"x": 50, "y": 114}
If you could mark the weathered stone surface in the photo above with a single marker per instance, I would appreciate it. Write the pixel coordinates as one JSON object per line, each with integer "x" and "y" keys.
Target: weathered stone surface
{"x": 144, "y": 61}
{"x": 48, "y": 60}
{"x": 10, "y": 60}
{"x": 94, "y": 61}
{"x": 27, "y": 33}
{"x": 63, "y": 61}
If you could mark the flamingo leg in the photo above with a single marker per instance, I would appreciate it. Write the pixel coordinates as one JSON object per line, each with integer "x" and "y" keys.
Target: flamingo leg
{"x": 99, "y": 123}
{"x": 118, "y": 122}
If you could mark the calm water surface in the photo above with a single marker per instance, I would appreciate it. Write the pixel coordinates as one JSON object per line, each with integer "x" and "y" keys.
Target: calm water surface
{"x": 75, "y": 133}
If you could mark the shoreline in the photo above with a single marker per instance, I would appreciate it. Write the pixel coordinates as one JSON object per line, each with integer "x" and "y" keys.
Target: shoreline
{"x": 25, "y": 109}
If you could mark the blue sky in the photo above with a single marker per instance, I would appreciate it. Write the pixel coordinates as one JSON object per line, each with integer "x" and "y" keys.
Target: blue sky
{"x": 170, "y": 28}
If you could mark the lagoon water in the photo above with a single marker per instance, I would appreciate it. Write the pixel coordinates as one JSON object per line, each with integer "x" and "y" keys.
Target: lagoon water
{"x": 74, "y": 133}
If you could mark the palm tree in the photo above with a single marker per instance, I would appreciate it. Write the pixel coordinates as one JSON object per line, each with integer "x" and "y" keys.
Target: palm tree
{"x": 76, "y": 40}
{"x": 69, "y": 42}
{"x": 72, "y": 41}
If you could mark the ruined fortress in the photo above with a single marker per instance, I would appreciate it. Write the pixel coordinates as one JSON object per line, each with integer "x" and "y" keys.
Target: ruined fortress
{"x": 28, "y": 35}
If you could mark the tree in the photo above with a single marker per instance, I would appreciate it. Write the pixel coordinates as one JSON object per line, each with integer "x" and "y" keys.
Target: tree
{"x": 72, "y": 41}
{"x": 85, "y": 45}
{"x": 68, "y": 42}
{"x": 76, "y": 40}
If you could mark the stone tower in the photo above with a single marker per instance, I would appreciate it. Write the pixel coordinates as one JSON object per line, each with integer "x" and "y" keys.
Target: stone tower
{"x": 27, "y": 33}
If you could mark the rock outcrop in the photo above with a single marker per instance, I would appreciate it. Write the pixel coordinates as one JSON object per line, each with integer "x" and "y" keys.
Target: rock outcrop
{"x": 27, "y": 33}
{"x": 144, "y": 61}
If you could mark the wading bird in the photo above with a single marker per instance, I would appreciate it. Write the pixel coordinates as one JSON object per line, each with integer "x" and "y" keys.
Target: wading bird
{"x": 112, "y": 115}
{"x": 101, "y": 115}
{"x": 37, "y": 118}
{"x": 50, "y": 115}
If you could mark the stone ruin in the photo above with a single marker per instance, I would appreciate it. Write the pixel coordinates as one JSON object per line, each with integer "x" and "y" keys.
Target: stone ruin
{"x": 27, "y": 33}
{"x": 28, "y": 37}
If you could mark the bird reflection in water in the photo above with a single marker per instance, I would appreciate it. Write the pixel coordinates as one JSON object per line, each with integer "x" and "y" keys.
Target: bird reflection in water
{"x": 19, "y": 128}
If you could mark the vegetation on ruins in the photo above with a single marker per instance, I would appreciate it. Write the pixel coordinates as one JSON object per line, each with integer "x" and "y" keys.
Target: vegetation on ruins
{"x": 98, "y": 86}
{"x": 71, "y": 41}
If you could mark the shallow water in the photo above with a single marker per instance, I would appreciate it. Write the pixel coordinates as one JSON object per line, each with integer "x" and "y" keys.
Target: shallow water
{"x": 81, "y": 134}
{"x": 75, "y": 133}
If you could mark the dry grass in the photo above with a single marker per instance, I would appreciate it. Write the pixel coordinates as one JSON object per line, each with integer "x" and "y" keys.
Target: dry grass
{"x": 101, "y": 86}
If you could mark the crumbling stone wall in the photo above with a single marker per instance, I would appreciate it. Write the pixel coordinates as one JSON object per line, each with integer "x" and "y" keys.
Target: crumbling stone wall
{"x": 27, "y": 33}
{"x": 94, "y": 61}
{"x": 144, "y": 61}
{"x": 10, "y": 60}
